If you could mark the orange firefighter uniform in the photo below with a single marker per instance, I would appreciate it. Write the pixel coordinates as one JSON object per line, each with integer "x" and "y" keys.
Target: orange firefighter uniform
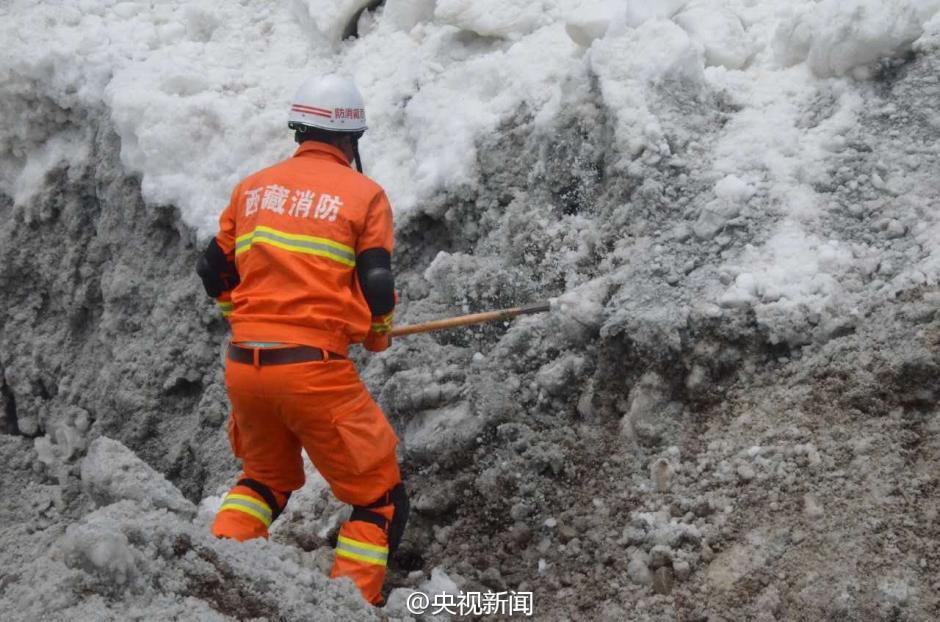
{"x": 294, "y": 232}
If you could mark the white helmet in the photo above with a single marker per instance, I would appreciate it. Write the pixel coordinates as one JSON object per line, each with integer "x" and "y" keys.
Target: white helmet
{"x": 331, "y": 103}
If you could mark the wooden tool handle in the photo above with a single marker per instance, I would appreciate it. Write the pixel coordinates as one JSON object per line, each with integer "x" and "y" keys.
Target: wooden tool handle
{"x": 468, "y": 320}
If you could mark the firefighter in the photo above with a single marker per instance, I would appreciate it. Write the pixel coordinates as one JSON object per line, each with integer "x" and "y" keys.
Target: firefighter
{"x": 301, "y": 267}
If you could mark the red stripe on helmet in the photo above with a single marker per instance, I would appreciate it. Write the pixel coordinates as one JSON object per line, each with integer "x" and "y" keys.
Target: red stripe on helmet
{"x": 311, "y": 110}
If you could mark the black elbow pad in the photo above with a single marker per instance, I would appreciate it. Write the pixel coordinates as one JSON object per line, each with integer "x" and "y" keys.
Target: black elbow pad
{"x": 379, "y": 289}
{"x": 210, "y": 281}
{"x": 218, "y": 274}
{"x": 374, "y": 268}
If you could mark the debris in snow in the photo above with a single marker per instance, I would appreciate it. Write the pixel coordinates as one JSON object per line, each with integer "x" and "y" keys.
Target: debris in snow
{"x": 638, "y": 568}
{"x": 101, "y": 552}
{"x": 556, "y": 376}
{"x": 663, "y": 580}
{"x": 746, "y": 472}
{"x": 682, "y": 570}
{"x": 650, "y": 413}
{"x": 661, "y": 474}
{"x": 811, "y": 506}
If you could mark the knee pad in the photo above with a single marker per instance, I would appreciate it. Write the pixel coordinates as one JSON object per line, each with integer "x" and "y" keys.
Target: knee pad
{"x": 396, "y": 497}
{"x": 399, "y": 498}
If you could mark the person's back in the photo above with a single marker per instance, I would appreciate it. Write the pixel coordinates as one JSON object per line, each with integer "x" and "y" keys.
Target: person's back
{"x": 302, "y": 268}
{"x": 297, "y": 229}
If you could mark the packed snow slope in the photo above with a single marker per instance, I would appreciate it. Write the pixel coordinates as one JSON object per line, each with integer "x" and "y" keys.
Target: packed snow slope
{"x": 731, "y": 414}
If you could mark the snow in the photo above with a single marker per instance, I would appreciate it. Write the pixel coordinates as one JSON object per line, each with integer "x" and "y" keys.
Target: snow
{"x": 101, "y": 552}
{"x": 192, "y": 133}
{"x": 439, "y": 583}
{"x": 123, "y": 561}
{"x": 842, "y": 37}
{"x": 590, "y": 20}
{"x": 111, "y": 472}
{"x": 779, "y": 205}
{"x": 198, "y": 91}
{"x": 719, "y": 31}
{"x": 628, "y": 63}
{"x": 406, "y": 14}
{"x": 491, "y": 18}
{"x": 328, "y": 17}
{"x": 581, "y": 307}
{"x": 733, "y": 189}
{"x": 640, "y": 11}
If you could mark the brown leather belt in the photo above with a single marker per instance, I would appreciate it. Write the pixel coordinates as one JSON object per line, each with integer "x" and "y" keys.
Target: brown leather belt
{"x": 279, "y": 356}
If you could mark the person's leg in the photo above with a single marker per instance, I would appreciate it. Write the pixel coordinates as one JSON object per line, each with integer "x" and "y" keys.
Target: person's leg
{"x": 352, "y": 445}
{"x": 372, "y": 534}
{"x": 270, "y": 454}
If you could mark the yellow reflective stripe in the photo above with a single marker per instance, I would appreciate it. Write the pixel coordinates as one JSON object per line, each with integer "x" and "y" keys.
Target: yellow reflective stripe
{"x": 383, "y": 326}
{"x": 361, "y": 551}
{"x": 247, "y": 505}
{"x": 225, "y": 307}
{"x": 359, "y": 558}
{"x": 254, "y": 501}
{"x": 307, "y": 238}
{"x": 363, "y": 545}
{"x": 307, "y": 244}
{"x": 237, "y": 507}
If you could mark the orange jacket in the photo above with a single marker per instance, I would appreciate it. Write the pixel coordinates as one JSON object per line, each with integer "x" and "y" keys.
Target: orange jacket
{"x": 295, "y": 230}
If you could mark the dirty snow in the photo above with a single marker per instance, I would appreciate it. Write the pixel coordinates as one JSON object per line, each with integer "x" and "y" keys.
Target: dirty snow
{"x": 731, "y": 203}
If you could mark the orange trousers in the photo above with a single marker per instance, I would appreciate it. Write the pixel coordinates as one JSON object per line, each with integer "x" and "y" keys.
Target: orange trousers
{"x": 322, "y": 407}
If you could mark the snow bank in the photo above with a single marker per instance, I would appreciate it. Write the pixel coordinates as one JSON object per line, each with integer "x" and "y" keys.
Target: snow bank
{"x": 198, "y": 90}
{"x": 844, "y": 37}
{"x": 189, "y": 86}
